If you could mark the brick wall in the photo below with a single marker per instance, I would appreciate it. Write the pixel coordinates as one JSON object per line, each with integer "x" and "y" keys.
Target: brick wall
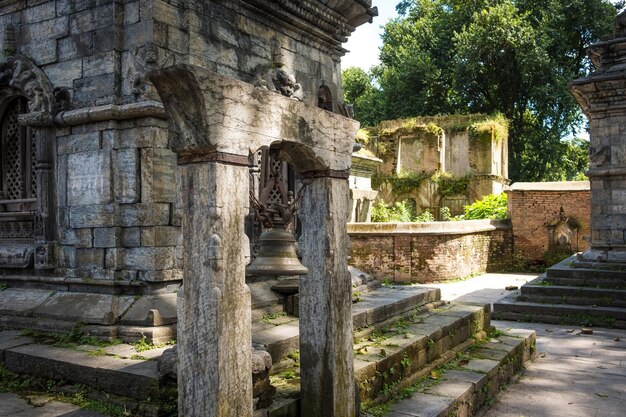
{"x": 534, "y": 207}
{"x": 426, "y": 252}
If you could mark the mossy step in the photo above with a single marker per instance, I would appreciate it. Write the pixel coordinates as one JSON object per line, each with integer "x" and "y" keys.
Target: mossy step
{"x": 543, "y": 291}
{"x": 385, "y": 357}
{"x": 280, "y": 334}
{"x": 121, "y": 374}
{"x": 465, "y": 384}
{"x": 509, "y": 308}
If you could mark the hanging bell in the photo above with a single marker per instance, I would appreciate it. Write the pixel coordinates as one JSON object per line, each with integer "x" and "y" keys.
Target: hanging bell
{"x": 277, "y": 255}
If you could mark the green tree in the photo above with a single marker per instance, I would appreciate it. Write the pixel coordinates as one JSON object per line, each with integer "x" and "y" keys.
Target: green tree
{"x": 513, "y": 57}
{"x": 359, "y": 90}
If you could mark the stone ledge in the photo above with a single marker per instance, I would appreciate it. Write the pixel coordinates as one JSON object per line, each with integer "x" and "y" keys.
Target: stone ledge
{"x": 556, "y": 186}
{"x": 440, "y": 228}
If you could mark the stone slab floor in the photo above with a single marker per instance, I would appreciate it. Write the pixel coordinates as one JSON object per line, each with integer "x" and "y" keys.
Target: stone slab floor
{"x": 574, "y": 375}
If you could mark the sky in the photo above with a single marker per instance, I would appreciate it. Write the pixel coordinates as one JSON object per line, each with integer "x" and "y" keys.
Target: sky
{"x": 364, "y": 43}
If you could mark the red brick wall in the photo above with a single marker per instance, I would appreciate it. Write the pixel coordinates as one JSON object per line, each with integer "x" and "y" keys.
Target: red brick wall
{"x": 419, "y": 253}
{"x": 533, "y": 207}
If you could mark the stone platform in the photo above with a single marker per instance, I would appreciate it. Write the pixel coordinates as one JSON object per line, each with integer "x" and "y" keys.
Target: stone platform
{"x": 568, "y": 294}
{"x": 405, "y": 336}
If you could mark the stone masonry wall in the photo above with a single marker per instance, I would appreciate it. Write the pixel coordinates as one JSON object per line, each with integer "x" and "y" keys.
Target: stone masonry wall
{"x": 427, "y": 252}
{"x": 116, "y": 194}
{"x": 116, "y": 181}
{"x": 534, "y": 207}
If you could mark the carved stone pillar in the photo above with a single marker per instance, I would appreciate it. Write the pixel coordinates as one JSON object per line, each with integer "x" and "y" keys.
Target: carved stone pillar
{"x": 602, "y": 98}
{"x": 45, "y": 253}
{"x": 214, "y": 344}
{"x": 327, "y": 363}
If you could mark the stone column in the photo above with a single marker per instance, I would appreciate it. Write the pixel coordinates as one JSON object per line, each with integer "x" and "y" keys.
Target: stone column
{"x": 602, "y": 97}
{"x": 327, "y": 363}
{"x": 214, "y": 344}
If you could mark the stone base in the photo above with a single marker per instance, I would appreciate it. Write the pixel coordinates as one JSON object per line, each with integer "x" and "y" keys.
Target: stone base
{"x": 107, "y": 316}
{"x": 608, "y": 259}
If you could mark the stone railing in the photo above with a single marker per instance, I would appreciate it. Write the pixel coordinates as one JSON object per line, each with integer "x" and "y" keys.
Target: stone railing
{"x": 426, "y": 252}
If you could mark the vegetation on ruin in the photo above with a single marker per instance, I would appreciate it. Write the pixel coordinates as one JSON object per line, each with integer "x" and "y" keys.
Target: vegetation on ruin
{"x": 57, "y": 391}
{"x": 450, "y": 185}
{"x": 494, "y": 129}
{"x": 509, "y": 57}
{"x": 492, "y": 206}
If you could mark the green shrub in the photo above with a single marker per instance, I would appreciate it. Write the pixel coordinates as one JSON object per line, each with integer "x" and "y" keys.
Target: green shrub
{"x": 445, "y": 214}
{"x": 425, "y": 216}
{"x": 491, "y": 206}
{"x": 399, "y": 212}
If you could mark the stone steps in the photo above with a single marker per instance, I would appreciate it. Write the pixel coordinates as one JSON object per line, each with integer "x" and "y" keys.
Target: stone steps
{"x": 510, "y": 308}
{"x": 119, "y": 373}
{"x": 455, "y": 382}
{"x": 543, "y": 291}
{"x": 567, "y": 294}
{"x": 279, "y": 335}
{"x": 384, "y": 358}
{"x": 469, "y": 381}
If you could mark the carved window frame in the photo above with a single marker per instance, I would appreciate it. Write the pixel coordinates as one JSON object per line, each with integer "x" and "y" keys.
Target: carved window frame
{"x": 18, "y": 220}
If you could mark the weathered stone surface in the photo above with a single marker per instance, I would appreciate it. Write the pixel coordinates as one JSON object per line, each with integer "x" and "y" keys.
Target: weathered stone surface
{"x": 325, "y": 302}
{"x": 126, "y": 175}
{"x": 89, "y": 308}
{"x": 16, "y": 256}
{"x": 18, "y": 301}
{"x": 158, "y": 175}
{"x": 106, "y": 237}
{"x": 161, "y": 236}
{"x": 154, "y": 310}
{"x": 143, "y": 214}
{"x": 274, "y": 117}
{"x": 89, "y": 178}
{"x": 214, "y": 314}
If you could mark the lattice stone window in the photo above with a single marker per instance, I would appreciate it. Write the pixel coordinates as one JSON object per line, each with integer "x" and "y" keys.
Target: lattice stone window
{"x": 18, "y": 182}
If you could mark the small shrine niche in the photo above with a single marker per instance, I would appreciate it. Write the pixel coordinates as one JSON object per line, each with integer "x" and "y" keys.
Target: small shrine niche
{"x": 563, "y": 234}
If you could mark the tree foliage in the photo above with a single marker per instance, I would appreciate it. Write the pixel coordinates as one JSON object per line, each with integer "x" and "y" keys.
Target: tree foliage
{"x": 513, "y": 57}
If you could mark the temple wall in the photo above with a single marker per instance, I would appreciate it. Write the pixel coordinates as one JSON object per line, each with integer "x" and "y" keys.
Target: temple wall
{"x": 114, "y": 171}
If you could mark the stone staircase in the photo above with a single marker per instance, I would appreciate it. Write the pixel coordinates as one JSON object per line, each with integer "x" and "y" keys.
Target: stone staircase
{"x": 413, "y": 354}
{"x": 569, "y": 294}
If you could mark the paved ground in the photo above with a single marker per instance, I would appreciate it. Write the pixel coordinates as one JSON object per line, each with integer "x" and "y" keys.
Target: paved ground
{"x": 574, "y": 375}
{"x": 14, "y": 406}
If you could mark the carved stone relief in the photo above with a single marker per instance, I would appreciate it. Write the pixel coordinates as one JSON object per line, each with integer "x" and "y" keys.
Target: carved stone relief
{"x": 147, "y": 58}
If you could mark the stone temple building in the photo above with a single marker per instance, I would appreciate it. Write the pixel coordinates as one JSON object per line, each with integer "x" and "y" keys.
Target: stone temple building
{"x": 90, "y": 205}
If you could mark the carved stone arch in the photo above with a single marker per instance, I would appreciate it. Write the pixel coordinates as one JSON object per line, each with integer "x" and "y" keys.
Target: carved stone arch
{"x": 20, "y": 73}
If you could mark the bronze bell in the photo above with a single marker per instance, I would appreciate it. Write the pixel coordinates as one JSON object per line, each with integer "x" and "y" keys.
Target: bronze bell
{"x": 277, "y": 255}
